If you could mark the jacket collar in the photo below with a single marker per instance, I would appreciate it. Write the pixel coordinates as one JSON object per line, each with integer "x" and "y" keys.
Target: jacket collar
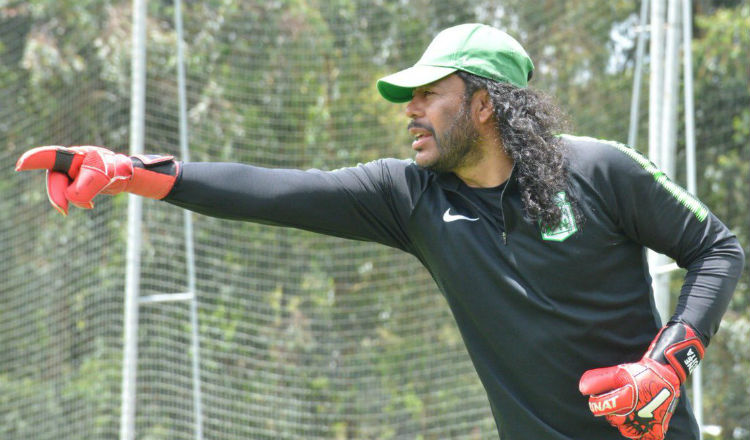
{"x": 451, "y": 182}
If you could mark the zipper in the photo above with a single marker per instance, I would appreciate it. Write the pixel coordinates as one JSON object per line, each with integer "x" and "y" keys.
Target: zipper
{"x": 502, "y": 208}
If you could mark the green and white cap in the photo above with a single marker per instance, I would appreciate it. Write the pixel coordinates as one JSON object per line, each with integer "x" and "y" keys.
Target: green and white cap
{"x": 474, "y": 48}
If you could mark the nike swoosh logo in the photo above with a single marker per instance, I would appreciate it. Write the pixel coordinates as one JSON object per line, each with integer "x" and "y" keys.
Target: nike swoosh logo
{"x": 448, "y": 217}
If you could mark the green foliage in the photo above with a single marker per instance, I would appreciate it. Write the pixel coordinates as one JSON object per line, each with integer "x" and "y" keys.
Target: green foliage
{"x": 302, "y": 336}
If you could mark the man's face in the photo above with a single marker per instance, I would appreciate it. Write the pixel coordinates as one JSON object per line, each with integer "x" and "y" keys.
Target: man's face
{"x": 442, "y": 126}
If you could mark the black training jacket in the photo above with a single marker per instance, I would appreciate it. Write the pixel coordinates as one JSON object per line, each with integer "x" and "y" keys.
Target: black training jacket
{"x": 535, "y": 308}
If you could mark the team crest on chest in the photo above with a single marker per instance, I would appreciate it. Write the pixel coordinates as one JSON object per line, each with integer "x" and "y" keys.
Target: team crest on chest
{"x": 567, "y": 225}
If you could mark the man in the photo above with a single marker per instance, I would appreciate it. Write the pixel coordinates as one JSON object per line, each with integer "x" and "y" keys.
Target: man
{"x": 537, "y": 241}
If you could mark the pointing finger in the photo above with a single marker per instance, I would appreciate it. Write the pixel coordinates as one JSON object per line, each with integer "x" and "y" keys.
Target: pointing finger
{"x": 51, "y": 157}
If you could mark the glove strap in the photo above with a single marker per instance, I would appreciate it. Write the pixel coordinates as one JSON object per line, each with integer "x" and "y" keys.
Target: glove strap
{"x": 153, "y": 176}
{"x": 679, "y": 346}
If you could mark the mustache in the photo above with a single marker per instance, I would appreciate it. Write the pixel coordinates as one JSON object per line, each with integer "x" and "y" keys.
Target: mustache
{"x": 415, "y": 124}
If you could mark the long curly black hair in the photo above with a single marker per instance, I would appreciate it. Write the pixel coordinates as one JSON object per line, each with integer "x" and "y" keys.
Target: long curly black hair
{"x": 528, "y": 122}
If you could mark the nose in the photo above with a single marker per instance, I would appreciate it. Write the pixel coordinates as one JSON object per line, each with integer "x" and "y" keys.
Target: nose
{"x": 413, "y": 110}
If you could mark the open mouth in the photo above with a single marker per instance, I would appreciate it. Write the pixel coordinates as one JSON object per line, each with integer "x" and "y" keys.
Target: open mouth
{"x": 422, "y": 134}
{"x": 420, "y": 139}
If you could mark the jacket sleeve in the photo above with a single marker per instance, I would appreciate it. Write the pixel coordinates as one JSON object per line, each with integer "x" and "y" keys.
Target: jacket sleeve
{"x": 363, "y": 203}
{"x": 659, "y": 214}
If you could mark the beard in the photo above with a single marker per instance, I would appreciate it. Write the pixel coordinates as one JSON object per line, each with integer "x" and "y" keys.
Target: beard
{"x": 456, "y": 145}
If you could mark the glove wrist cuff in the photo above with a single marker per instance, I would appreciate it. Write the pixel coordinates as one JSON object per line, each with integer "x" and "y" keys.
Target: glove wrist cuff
{"x": 678, "y": 346}
{"x": 153, "y": 176}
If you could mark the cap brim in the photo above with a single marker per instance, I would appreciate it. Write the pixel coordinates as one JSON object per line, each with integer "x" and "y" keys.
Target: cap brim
{"x": 398, "y": 86}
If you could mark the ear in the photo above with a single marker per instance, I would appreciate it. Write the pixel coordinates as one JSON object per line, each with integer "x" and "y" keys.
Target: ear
{"x": 482, "y": 106}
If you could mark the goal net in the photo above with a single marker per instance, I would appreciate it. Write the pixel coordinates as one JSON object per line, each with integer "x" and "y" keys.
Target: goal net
{"x": 301, "y": 335}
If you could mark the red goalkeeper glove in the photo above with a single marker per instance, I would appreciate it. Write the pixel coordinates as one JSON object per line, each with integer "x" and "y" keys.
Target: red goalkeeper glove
{"x": 639, "y": 398}
{"x": 78, "y": 174}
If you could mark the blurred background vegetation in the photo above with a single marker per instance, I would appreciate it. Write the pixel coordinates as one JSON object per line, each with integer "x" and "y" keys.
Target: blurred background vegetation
{"x": 302, "y": 336}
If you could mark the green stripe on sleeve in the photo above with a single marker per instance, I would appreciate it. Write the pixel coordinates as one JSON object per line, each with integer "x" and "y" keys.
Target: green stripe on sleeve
{"x": 685, "y": 198}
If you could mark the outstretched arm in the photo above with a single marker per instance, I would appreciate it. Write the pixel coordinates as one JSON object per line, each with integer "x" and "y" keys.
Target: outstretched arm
{"x": 369, "y": 202}
{"x": 362, "y": 202}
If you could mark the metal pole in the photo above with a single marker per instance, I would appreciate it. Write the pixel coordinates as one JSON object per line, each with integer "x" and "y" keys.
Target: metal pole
{"x": 656, "y": 79}
{"x": 188, "y": 225}
{"x": 636, "y": 97}
{"x": 687, "y": 54}
{"x": 656, "y": 95}
{"x": 133, "y": 270}
{"x": 671, "y": 81}
{"x": 687, "y": 31}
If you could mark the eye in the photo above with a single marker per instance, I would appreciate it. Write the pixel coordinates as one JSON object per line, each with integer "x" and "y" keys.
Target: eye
{"x": 422, "y": 93}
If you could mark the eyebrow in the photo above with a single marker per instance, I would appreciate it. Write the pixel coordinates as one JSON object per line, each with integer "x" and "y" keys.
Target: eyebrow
{"x": 429, "y": 86}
